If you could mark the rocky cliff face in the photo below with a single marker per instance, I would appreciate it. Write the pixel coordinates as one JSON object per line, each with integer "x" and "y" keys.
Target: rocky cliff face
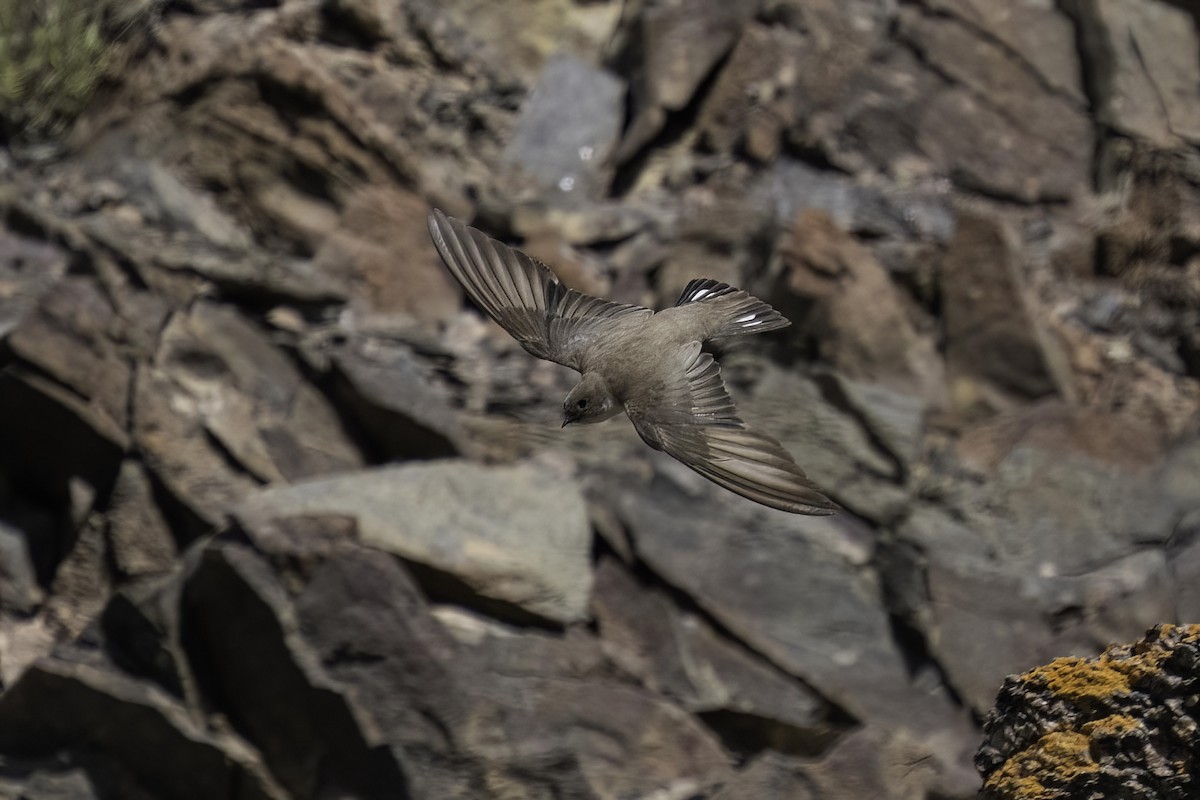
{"x": 279, "y": 517}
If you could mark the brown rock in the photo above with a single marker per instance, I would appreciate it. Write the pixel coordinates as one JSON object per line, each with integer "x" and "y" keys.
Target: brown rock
{"x": 861, "y": 320}
{"x": 998, "y": 125}
{"x": 1041, "y": 35}
{"x": 380, "y": 250}
{"x": 228, "y": 376}
{"x": 754, "y": 99}
{"x": 993, "y": 338}
{"x": 680, "y": 44}
{"x": 681, "y": 656}
{"x": 70, "y": 337}
{"x": 139, "y": 537}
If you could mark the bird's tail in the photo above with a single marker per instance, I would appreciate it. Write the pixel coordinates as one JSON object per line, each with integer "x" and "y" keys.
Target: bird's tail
{"x": 742, "y": 312}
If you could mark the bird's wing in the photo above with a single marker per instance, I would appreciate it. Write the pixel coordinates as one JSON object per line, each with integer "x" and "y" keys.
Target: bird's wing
{"x": 695, "y": 421}
{"x": 522, "y": 294}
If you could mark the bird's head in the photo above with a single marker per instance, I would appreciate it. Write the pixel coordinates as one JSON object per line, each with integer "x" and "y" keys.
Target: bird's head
{"x": 590, "y": 401}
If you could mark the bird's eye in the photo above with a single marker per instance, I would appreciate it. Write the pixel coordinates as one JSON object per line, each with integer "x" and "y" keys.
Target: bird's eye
{"x": 582, "y": 403}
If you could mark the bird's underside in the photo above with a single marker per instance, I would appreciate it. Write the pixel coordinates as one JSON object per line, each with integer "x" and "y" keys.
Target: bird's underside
{"x": 651, "y": 363}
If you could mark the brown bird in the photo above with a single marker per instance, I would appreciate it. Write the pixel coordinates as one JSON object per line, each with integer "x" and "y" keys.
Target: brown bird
{"x": 649, "y": 364}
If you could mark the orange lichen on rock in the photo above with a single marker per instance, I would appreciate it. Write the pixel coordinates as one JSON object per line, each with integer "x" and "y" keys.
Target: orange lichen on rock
{"x": 1121, "y": 724}
{"x": 1112, "y": 725}
{"x": 1077, "y": 678}
{"x": 1040, "y": 772}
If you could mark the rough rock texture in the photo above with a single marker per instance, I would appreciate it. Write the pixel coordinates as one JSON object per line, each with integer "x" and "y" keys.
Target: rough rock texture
{"x": 1122, "y": 724}
{"x": 282, "y": 515}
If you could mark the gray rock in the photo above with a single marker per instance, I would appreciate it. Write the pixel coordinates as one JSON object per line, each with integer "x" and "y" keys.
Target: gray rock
{"x": 1141, "y": 63}
{"x": 679, "y": 655}
{"x": 753, "y": 574}
{"x": 1043, "y": 143}
{"x": 1049, "y": 549}
{"x": 792, "y": 187}
{"x": 237, "y": 619}
{"x": 391, "y": 394}
{"x": 865, "y": 325}
{"x": 515, "y": 534}
{"x": 56, "y": 707}
{"x": 568, "y": 129}
{"x": 19, "y": 589}
{"x": 28, "y": 269}
{"x": 511, "y": 724}
{"x": 68, "y": 338}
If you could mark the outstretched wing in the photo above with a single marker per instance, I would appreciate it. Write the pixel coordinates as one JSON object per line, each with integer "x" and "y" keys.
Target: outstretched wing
{"x": 522, "y": 294}
{"x": 695, "y": 421}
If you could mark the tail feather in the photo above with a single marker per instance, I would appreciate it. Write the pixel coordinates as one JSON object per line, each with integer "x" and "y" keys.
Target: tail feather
{"x": 741, "y": 312}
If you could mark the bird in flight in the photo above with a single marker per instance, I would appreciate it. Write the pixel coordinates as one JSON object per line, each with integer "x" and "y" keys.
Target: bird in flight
{"x": 648, "y": 364}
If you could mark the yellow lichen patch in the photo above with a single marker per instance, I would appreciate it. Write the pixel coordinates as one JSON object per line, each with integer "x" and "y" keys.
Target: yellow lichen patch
{"x": 1113, "y": 725}
{"x": 1146, "y": 657}
{"x": 1042, "y": 772}
{"x": 1076, "y": 679}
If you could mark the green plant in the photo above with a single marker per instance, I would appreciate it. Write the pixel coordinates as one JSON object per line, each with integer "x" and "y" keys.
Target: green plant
{"x": 53, "y": 55}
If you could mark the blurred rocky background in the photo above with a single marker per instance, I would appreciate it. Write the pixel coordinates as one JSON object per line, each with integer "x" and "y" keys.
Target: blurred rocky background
{"x": 280, "y": 517}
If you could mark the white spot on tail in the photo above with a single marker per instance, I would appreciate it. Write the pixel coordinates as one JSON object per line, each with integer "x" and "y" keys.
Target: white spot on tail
{"x": 699, "y": 293}
{"x": 746, "y": 318}
{"x": 752, "y": 324}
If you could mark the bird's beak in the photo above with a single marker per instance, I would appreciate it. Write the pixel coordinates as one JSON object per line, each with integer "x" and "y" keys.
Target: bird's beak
{"x": 566, "y": 421}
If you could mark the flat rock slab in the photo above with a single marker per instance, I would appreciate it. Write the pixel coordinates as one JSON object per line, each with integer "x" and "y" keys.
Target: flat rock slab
{"x": 517, "y": 534}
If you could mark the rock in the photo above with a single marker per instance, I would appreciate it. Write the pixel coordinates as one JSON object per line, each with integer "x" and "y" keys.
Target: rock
{"x": 28, "y": 269}
{"x": 568, "y": 129}
{"x": 841, "y": 645}
{"x": 139, "y": 536}
{"x": 1015, "y": 549}
{"x": 1042, "y": 36}
{"x": 867, "y": 763}
{"x": 1138, "y": 58}
{"x": 250, "y": 397}
{"x": 749, "y": 701}
{"x": 991, "y": 330}
{"x": 771, "y": 776}
{"x": 380, "y": 249}
{"x": 517, "y": 534}
{"x": 513, "y": 44}
{"x": 1120, "y": 724}
{"x": 791, "y": 187}
{"x": 177, "y": 451}
{"x": 19, "y": 589}
{"x": 863, "y": 324}
{"x": 141, "y": 634}
{"x": 237, "y": 620}
{"x": 146, "y": 739}
{"x": 1041, "y": 142}
{"x": 679, "y": 45}
{"x": 521, "y": 728}
{"x": 393, "y": 396}
{"x": 69, "y": 338}
{"x": 82, "y": 583}
{"x": 754, "y": 99}
{"x": 895, "y": 420}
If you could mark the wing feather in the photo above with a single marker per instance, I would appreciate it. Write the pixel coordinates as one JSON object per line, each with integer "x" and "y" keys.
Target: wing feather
{"x": 695, "y": 421}
{"x": 522, "y": 295}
